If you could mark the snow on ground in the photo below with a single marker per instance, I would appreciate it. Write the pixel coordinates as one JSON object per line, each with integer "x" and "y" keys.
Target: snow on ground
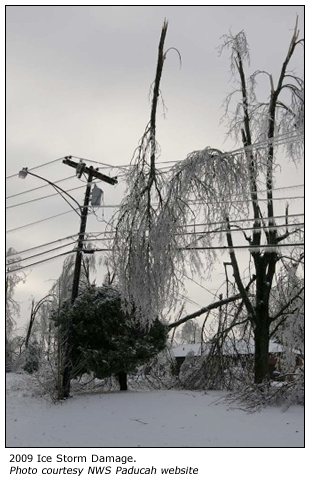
{"x": 162, "y": 418}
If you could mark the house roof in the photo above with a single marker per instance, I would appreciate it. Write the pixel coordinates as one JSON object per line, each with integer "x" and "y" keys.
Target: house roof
{"x": 230, "y": 348}
{"x": 243, "y": 347}
{"x": 184, "y": 350}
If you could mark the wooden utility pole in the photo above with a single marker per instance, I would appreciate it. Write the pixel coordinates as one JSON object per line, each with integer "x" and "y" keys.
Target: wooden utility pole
{"x": 92, "y": 173}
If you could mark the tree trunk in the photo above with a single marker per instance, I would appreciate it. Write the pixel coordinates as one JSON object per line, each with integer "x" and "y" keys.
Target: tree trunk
{"x": 261, "y": 320}
{"x": 261, "y": 343}
{"x": 122, "y": 380}
{"x": 8, "y": 356}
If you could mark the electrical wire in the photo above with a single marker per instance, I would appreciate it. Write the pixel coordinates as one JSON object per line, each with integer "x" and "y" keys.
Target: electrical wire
{"x": 284, "y": 188}
{"x": 38, "y": 167}
{"x": 260, "y": 191}
{"x": 42, "y": 245}
{"x": 40, "y": 187}
{"x": 277, "y": 140}
{"x": 43, "y": 197}
{"x": 89, "y": 239}
{"x": 280, "y": 139}
{"x": 198, "y": 284}
{"x": 190, "y": 202}
{"x": 215, "y": 231}
{"x": 106, "y": 166}
{"x": 20, "y": 268}
{"x": 40, "y": 221}
{"x": 193, "y": 225}
{"x": 40, "y": 254}
{"x": 47, "y": 185}
{"x": 248, "y": 247}
{"x": 189, "y": 300}
{"x": 245, "y": 220}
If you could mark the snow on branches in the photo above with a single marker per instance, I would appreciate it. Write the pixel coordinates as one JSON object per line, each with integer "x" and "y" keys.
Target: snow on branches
{"x": 153, "y": 240}
{"x": 278, "y": 120}
{"x": 200, "y": 188}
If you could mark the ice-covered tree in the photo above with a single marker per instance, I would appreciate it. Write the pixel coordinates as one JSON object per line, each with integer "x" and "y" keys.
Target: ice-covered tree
{"x": 190, "y": 332}
{"x": 12, "y": 308}
{"x": 13, "y": 277}
{"x": 265, "y": 124}
{"x": 62, "y": 288}
{"x": 42, "y": 336}
{"x": 221, "y": 190}
{"x": 287, "y": 307}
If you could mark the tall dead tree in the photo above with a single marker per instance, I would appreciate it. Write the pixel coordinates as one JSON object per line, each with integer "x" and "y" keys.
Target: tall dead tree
{"x": 135, "y": 253}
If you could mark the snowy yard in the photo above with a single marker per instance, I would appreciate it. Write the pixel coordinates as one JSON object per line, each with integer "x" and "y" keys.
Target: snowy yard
{"x": 163, "y": 418}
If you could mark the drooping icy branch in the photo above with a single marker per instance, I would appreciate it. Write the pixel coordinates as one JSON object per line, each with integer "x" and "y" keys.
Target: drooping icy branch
{"x": 150, "y": 250}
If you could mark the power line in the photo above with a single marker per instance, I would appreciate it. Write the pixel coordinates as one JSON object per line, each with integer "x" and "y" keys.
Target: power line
{"x": 106, "y": 166}
{"x": 39, "y": 262}
{"x": 277, "y": 140}
{"x": 215, "y": 231}
{"x": 43, "y": 186}
{"x": 40, "y": 221}
{"x": 189, "y": 300}
{"x": 248, "y": 247}
{"x": 41, "y": 245}
{"x": 193, "y": 225}
{"x": 89, "y": 239}
{"x": 283, "y": 188}
{"x": 49, "y": 195}
{"x": 40, "y": 254}
{"x": 245, "y": 220}
{"x": 240, "y": 230}
{"x": 37, "y": 167}
{"x": 43, "y": 197}
{"x": 198, "y": 284}
{"x": 191, "y": 202}
{"x": 235, "y": 201}
{"x": 116, "y": 167}
{"x": 39, "y": 187}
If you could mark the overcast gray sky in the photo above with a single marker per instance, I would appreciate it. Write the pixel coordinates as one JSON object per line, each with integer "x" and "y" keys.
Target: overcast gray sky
{"x": 78, "y": 81}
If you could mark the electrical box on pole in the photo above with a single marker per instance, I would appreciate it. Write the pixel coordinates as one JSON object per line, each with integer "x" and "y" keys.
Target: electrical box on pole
{"x": 96, "y": 196}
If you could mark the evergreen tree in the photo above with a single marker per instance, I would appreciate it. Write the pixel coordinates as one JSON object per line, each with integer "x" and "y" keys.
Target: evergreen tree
{"x": 106, "y": 341}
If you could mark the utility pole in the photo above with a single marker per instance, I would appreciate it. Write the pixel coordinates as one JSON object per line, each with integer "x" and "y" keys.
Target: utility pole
{"x": 92, "y": 173}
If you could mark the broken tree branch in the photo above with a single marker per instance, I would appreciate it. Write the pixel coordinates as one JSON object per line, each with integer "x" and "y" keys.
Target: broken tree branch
{"x": 210, "y": 307}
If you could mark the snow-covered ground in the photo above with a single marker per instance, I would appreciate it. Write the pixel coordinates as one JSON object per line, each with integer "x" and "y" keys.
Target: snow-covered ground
{"x": 162, "y": 418}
